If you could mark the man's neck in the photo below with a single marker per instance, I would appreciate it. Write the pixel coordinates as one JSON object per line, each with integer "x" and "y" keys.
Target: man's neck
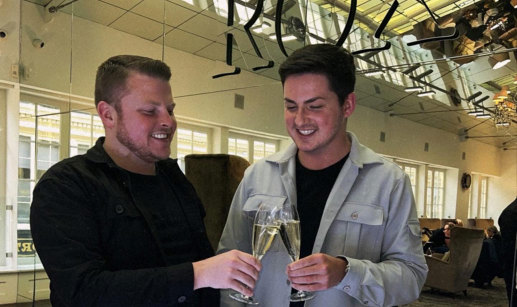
{"x": 126, "y": 160}
{"x": 321, "y": 160}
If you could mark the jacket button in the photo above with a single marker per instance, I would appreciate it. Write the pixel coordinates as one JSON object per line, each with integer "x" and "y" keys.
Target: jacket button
{"x": 182, "y": 299}
{"x": 119, "y": 209}
{"x": 354, "y": 216}
{"x": 346, "y": 288}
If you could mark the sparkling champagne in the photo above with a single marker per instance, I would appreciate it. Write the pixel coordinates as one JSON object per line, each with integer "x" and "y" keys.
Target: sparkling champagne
{"x": 263, "y": 236}
{"x": 290, "y": 233}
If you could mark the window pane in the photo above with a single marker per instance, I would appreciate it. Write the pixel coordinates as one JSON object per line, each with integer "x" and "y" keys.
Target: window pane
{"x": 80, "y": 132}
{"x": 98, "y": 128}
{"x": 259, "y": 150}
{"x": 24, "y": 200}
{"x": 239, "y": 147}
{"x": 24, "y": 157}
{"x": 242, "y": 148}
{"x": 200, "y": 142}
{"x": 232, "y": 146}
{"x": 184, "y": 142}
{"x": 270, "y": 149}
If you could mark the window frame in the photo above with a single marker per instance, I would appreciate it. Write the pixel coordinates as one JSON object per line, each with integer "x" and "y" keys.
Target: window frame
{"x": 251, "y": 138}
{"x": 429, "y": 208}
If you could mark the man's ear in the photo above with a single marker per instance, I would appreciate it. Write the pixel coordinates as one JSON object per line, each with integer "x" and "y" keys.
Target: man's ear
{"x": 107, "y": 113}
{"x": 349, "y": 105}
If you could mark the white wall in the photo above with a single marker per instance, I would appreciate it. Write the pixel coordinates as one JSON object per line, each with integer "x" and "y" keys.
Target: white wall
{"x": 503, "y": 189}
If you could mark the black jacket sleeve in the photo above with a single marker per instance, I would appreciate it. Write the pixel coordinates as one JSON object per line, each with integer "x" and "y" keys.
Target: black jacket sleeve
{"x": 67, "y": 236}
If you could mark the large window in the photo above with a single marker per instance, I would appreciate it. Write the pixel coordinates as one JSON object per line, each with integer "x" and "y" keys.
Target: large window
{"x": 85, "y": 128}
{"x": 239, "y": 147}
{"x": 251, "y": 148}
{"x": 412, "y": 172}
{"x": 262, "y": 150}
{"x": 191, "y": 141}
{"x": 483, "y": 193}
{"x": 435, "y": 186}
{"x": 478, "y": 203}
{"x": 39, "y": 144}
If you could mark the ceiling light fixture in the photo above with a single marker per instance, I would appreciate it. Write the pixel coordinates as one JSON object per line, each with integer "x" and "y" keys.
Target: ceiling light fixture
{"x": 260, "y": 28}
{"x": 475, "y": 112}
{"x": 499, "y": 60}
{"x": 502, "y": 124}
{"x": 483, "y": 115}
{"x": 426, "y": 93}
{"x": 285, "y": 37}
{"x": 413, "y": 89}
{"x": 373, "y": 72}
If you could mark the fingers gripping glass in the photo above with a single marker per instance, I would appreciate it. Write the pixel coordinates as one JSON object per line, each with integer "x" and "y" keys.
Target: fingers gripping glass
{"x": 290, "y": 234}
{"x": 265, "y": 228}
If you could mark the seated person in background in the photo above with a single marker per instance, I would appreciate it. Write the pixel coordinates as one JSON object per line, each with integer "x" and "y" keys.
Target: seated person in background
{"x": 458, "y": 222}
{"x": 495, "y": 236}
{"x": 438, "y": 243}
{"x": 447, "y": 239}
{"x": 489, "y": 264}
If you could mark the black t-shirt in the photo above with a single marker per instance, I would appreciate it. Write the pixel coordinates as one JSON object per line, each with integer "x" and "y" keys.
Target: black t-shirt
{"x": 313, "y": 188}
{"x": 166, "y": 213}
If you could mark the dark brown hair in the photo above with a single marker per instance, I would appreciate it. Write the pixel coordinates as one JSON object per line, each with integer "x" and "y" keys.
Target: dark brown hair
{"x": 336, "y": 63}
{"x": 110, "y": 82}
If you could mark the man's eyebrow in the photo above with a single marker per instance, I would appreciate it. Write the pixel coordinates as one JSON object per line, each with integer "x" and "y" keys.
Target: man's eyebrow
{"x": 310, "y": 100}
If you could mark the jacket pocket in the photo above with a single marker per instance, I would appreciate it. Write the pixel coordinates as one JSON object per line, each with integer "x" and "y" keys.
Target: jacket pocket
{"x": 253, "y": 203}
{"x": 414, "y": 227}
{"x": 361, "y": 213}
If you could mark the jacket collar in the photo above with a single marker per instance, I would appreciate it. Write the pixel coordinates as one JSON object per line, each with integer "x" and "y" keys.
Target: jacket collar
{"x": 359, "y": 154}
{"x": 97, "y": 154}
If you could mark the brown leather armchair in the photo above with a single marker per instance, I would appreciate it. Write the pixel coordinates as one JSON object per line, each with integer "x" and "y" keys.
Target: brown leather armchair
{"x": 215, "y": 178}
{"x": 453, "y": 275}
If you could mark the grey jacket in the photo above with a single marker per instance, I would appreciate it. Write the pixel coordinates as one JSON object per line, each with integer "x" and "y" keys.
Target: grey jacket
{"x": 369, "y": 218}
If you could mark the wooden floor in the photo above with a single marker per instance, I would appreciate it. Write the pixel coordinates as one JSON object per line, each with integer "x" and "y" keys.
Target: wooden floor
{"x": 493, "y": 296}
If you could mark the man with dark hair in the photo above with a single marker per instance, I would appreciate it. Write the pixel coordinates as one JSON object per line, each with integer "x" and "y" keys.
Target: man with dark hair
{"x": 360, "y": 236}
{"x": 121, "y": 225}
{"x": 508, "y": 224}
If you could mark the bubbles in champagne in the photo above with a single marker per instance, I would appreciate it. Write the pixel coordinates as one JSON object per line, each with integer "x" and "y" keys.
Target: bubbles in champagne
{"x": 290, "y": 234}
{"x": 263, "y": 236}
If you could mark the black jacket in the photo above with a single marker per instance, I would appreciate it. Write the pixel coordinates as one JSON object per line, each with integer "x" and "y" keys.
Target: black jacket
{"x": 508, "y": 223}
{"x": 98, "y": 247}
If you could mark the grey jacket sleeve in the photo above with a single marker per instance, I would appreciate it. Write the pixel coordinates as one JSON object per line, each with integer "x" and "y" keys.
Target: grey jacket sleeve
{"x": 400, "y": 275}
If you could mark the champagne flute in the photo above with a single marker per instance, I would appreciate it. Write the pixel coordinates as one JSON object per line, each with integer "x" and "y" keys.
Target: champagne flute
{"x": 290, "y": 234}
{"x": 265, "y": 228}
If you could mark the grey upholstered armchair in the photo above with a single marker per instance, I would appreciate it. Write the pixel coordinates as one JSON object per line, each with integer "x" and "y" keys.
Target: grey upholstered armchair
{"x": 453, "y": 275}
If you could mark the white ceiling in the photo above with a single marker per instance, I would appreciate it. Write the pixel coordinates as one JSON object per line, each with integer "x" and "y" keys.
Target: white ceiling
{"x": 199, "y": 31}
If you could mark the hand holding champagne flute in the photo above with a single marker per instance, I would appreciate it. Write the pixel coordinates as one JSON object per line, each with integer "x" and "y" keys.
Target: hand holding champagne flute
{"x": 290, "y": 234}
{"x": 265, "y": 228}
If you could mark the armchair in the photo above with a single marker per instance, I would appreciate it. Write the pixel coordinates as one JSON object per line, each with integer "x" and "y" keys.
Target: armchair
{"x": 215, "y": 178}
{"x": 453, "y": 275}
